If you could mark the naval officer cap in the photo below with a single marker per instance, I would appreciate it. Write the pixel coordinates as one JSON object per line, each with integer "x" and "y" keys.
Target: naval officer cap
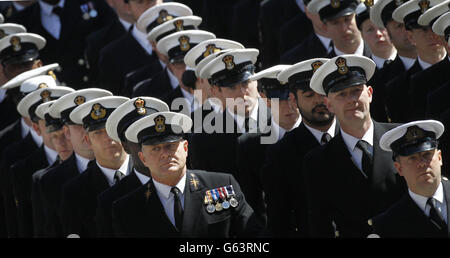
{"x": 332, "y": 9}
{"x": 7, "y": 29}
{"x": 409, "y": 12}
{"x": 342, "y": 72}
{"x": 160, "y": 14}
{"x": 177, "y": 24}
{"x": 412, "y": 137}
{"x": 442, "y": 26}
{"x": 27, "y": 106}
{"x": 298, "y": 76}
{"x": 157, "y": 128}
{"x": 233, "y": 67}
{"x": 363, "y": 12}
{"x": 19, "y": 79}
{"x": 176, "y": 45}
{"x": 52, "y": 124}
{"x": 20, "y": 48}
{"x": 63, "y": 106}
{"x": 37, "y": 82}
{"x": 269, "y": 84}
{"x": 431, "y": 15}
{"x": 94, "y": 113}
{"x": 129, "y": 112}
{"x": 381, "y": 11}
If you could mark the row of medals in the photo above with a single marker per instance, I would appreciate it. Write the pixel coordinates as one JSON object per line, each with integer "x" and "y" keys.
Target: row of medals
{"x": 218, "y": 206}
{"x": 88, "y": 11}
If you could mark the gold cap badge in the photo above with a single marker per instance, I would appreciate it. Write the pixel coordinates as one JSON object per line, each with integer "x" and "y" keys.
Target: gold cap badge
{"x": 15, "y": 42}
{"x": 211, "y": 49}
{"x": 315, "y": 65}
{"x": 184, "y": 43}
{"x": 335, "y": 3}
{"x": 413, "y": 133}
{"x": 79, "y": 100}
{"x": 342, "y": 65}
{"x": 229, "y": 62}
{"x": 98, "y": 111}
{"x": 42, "y": 85}
{"x": 179, "y": 25}
{"x": 163, "y": 16}
{"x": 424, "y": 5}
{"x": 140, "y": 106}
{"x": 45, "y": 95}
{"x": 160, "y": 124}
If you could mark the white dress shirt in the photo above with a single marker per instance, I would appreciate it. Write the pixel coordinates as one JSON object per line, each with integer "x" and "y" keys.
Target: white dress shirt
{"x": 142, "y": 178}
{"x": 18, "y": 6}
{"x": 190, "y": 99}
{"x": 109, "y": 173}
{"x": 407, "y": 62}
{"x": 379, "y": 61}
{"x": 50, "y": 154}
{"x": 81, "y": 162}
{"x": 173, "y": 79}
{"x": 421, "y": 201}
{"x": 280, "y": 131}
{"x": 25, "y": 128}
{"x": 141, "y": 38}
{"x": 359, "y": 51}
{"x": 240, "y": 120}
{"x": 126, "y": 25}
{"x": 167, "y": 198}
{"x": 318, "y": 134}
{"x": 423, "y": 64}
{"x": 51, "y": 21}
{"x": 351, "y": 142}
{"x": 325, "y": 42}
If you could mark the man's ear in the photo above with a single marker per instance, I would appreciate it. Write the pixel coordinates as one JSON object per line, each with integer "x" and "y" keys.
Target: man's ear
{"x": 36, "y": 128}
{"x": 142, "y": 157}
{"x": 87, "y": 139}
{"x": 66, "y": 132}
{"x": 398, "y": 167}
{"x": 409, "y": 34}
{"x": 328, "y": 104}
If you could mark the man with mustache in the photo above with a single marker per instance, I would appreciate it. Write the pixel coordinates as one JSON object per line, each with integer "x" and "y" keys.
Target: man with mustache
{"x": 423, "y": 210}
{"x": 350, "y": 179}
{"x": 286, "y": 217}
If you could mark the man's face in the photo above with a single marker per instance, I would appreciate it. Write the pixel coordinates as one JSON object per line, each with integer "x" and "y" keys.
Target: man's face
{"x": 343, "y": 30}
{"x": 426, "y": 42}
{"x": 312, "y": 108}
{"x": 78, "y": 137}
{"x": 399, "y": 36}
{"x": 241, "y": 97}
{"x": 177, "y": 69}
{"x": 350, "y": 105}
{"x": 287, "y": 113}
{"x": 105, "y": 148}
{"x": 45, "y": 136}
{"x": 133, "y": 149}
{"x": 166, "y": 161}
{"x": 138, "y": 7}
{"x": 377, "y": 38}
{"x": 62, "y": 145}
{"x": 421, "y": 170}
{"x": 12, "y": 70}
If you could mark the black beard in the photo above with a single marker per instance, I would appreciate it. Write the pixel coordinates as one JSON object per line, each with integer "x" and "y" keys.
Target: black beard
{"x": 313, "y": 121}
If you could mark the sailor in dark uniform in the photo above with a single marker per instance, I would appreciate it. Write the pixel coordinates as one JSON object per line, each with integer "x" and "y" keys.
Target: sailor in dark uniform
{"x": 437, "y": 99}
{"x": 282, "y": 178}
{"x": 167, "y": 84}
{"x": 63, "y": 148}
{"x": 429, "y": 51}
{"x": 381, "y": 16}
{"x": 79, "y": 194}
{"x": 65, "y": 24}
{"x": 52, "y": 182}
{"x": 178, "y": 202}
{"x": 119, "y": 120}
{"x": 350, "y": 179}
{"x": 424, "y": 209}
{"x": 21, "y": 173}
{"x": 145, "y": 73}
{"x": 244, "y": 111}
{"x": 426, "y": 81}
{"x": 133, "y": 50}
{"x": 340, "y": 25}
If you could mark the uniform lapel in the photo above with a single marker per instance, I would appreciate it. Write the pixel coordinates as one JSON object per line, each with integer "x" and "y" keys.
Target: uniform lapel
{"x": 383, "y": 168}
{"x": 193, "y": 202}
{"x": 446, "y": 186}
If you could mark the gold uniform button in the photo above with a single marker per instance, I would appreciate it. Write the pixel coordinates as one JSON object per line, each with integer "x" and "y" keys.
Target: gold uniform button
{"x": 369, "y": 222}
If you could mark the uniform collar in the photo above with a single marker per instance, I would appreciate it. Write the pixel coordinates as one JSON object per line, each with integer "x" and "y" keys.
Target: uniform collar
{"x": 82, "y": 163}
{"x": 36, "y": 138}
{"x": 126, "y": 25}
{"x": 50, "y": 154}
{"x": 379, "y": 61}
{"x": 109, "y": 173}
{"x": 325, "y": 42}
{"x": 407, "y": 62}
{"x": 318, "y": 134}
{"x": 423, "y": 64}
{"x": 173, "y": 79}
{"x": 240, "y": 120}
{"x": 47, "y": 9}
{"x": 142, "y": 178}
{"x": 351, "y": 141}
{"x": 141, "y": 38}
{"x": 164, "y": 190}
{"x": 421, "y": 201}
{"x": 25, "y": 128}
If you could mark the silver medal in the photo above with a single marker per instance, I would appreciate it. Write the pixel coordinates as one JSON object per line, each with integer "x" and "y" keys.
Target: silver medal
{"x": 93, "y": 13}
{"x": 233, "y": 202}
{"x": 86, "y": 16}
{"x": 226, "y": 205}
{"x": 210, "y": 208}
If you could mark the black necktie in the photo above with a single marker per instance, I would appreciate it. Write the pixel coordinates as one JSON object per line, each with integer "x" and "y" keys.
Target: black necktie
{"x": 435, "y": 215}
{"x": 117, "y": 176}
{"x": 366, "y": 157}
{"x": 246, "y": 124}
{"x": 58, "y": 11}
{"x": 177, "y": 209}
{"x": 326, "y": 137}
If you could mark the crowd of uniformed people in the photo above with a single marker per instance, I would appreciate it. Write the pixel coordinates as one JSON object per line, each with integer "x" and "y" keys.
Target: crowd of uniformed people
{"x": 224, "y": 119}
